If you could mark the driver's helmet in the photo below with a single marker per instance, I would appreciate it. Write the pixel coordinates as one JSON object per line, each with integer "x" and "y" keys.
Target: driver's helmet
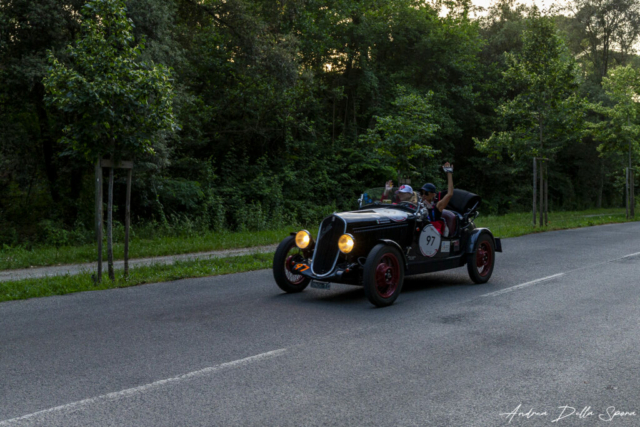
{"x": 429, "y": 188}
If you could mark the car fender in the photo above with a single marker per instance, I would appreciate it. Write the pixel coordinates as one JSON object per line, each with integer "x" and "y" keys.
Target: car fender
{"x": 473, "y": 238}
{"x": 398, "y": 247}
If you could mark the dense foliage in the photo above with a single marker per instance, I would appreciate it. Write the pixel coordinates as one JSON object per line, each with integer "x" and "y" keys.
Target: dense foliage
{"x": 288, "y": 108}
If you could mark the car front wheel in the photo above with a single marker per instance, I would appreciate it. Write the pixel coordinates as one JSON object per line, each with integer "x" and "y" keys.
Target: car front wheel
{"x": 383, "y": 275}
{"x": 480, "y": 263}
{"x": 288, "y": 255}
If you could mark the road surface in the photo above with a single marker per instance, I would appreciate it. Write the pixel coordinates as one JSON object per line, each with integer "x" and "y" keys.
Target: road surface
{"x": 556, "y": 330}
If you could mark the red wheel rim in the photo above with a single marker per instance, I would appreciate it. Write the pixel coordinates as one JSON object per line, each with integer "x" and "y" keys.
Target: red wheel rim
{"x": 484, "y": 259}
{"x": 293, "y": 256}
{"x": 387, "y": 275}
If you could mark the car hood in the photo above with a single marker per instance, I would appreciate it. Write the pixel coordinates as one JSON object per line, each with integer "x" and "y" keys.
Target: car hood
{"x": 376, "y": 216}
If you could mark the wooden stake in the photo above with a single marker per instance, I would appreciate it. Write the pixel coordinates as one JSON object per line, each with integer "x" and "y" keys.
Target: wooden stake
{"x": 546, "y": 196}
{"x": 110, "y": 227}
{"x": 633, "y": 193}
{"x": 626, "y": 191}
{"x": 98, "y": 171}
{"x": 534, "y": 192}
{"x": 127, "y": 223}
{"x": 541, "y": 192}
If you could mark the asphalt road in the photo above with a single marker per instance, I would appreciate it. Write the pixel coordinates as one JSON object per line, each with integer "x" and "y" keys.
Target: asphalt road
{"x": 233, "y": 350}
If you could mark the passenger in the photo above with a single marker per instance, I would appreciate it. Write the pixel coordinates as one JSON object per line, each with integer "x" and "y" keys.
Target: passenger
{"x": 435, "y": 203}
{"x": 403, "y": 194}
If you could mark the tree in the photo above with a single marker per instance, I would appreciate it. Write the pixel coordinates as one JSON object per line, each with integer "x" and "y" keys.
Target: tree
{"x": 619, "y": 132}
{"x": 608, "y": 25}
{"x": 402, "y": 140}
{"x": 115, "y": 104}
{"x": 546, "y": 112}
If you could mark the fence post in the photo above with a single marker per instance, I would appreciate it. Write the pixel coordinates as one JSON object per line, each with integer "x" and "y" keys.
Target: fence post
{"x": 541, "y": 192}
{"x": 127, "y": 223}
{"x": 626, "y": 191}
{"x": 112, "y": 275}
{"x": 546, "y": 195}
{"x": 534, "y": 192}
{"x": 99, "y": 199}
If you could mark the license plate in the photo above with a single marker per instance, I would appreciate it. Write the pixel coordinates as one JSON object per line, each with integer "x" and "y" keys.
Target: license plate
{"x": 320, "y": 285}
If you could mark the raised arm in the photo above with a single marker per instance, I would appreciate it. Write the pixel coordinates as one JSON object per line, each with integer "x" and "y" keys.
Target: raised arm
{"x": 388, "y": 186}
{"x": 442, "y": 204}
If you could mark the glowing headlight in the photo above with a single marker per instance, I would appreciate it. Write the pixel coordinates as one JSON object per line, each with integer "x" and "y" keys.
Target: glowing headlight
{"x": 346, "y": 242}
{"x": 303, "y": 238}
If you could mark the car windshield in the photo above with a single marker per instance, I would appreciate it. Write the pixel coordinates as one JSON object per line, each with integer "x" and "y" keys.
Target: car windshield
{"x": 377, "y": 197}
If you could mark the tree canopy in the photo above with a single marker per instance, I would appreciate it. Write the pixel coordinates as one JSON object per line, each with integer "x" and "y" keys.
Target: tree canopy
{"x": 287, "y": 109}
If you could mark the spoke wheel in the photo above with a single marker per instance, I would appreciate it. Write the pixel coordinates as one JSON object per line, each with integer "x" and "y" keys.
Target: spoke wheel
{"x": 293, "y": 258}
{"x": 484, "y": 259}
{"x": 480, "y": 263}
{"x": 383, "y": 275}
{"x": 286, "y": 257}
{"x": 387, "y": 275}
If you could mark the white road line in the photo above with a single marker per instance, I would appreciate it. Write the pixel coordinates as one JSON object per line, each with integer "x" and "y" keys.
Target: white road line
{"x": 628, "y": 256}
{"x": 544, "y": 279}
{"x": 141, "y": 389}
{"x": 520, "y": 286}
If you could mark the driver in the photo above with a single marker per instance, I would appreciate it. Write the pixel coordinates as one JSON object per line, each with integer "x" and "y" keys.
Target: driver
{"x": 435, "y": 203}
{"x": 403, "y": 194}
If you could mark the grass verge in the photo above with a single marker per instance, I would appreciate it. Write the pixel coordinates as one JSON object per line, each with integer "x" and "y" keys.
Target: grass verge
{"x": 510, "y": 225}
{"x": 519, "y": 224}
{"x": 61, "y": 285}
{"x": 13, "y": 258}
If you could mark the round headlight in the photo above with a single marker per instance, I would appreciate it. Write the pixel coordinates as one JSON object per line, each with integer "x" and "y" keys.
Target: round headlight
{"x": 303, "y": 239}
{"x": 346, "y": 243}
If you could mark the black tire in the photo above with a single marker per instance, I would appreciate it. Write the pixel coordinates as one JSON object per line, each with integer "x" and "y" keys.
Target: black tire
{"x": 383, "y": 275}
{"x": 287, "y": 280}
{"x": 480, "y": 263}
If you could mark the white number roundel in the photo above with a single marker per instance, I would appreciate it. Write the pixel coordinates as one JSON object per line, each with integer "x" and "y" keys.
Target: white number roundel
{"x": 429, "y": 241}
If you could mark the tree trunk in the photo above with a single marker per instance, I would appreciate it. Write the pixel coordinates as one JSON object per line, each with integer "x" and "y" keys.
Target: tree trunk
{"x": 631, "y": 189}
{"x": 626, "y": 192}
{"x": 534, "y": 192}
{"x": 98, "y": 178}
{"x": 127, "y": 223}
{"x": 546, "y": 195}
{"x": 633, "y": 194}
{"x": 541, "y": 192}
{"x": 110, "y": 226}
{"x": 601, "y": 188}
{"x": 540, "y": 128}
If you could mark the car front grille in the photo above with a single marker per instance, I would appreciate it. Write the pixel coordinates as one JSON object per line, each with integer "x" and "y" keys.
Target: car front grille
{"x": 326, "y": 252}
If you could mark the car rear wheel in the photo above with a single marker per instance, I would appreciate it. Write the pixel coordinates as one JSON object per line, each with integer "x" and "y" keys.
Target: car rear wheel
{"x": 287, "y": 255}
{"x": 480, "y": 263}
{"x": 383, "y": 275}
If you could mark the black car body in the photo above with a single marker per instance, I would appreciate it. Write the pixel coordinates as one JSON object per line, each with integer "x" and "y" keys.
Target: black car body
{"x": 388, "y": 242}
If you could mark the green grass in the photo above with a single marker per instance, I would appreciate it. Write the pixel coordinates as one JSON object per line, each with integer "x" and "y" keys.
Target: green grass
{"x": 13, "y": 258}
{"x": 61, "y": 285}
{"x": 518, "y": 224}
{"x": 510, "y": 225}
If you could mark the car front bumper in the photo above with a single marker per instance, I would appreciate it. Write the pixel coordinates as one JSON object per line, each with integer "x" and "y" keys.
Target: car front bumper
{"x": 340, "y": 274}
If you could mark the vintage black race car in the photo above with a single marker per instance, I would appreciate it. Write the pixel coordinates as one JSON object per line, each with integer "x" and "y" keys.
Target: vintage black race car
{"x": 383, "y": 241}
